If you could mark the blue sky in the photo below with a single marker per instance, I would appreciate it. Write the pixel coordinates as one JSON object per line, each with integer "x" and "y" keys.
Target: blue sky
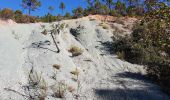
{"x": 70, "y": 4}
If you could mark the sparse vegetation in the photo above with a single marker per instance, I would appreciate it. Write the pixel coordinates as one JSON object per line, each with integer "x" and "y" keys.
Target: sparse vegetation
{"x": 76, "y": 51}
{"x": 55, "y": 30}
{"x": 59, "y": 89}
{"x": 148, "y": 45}
{"x": 37, "y": 86}
{"x": 76, "y": 74}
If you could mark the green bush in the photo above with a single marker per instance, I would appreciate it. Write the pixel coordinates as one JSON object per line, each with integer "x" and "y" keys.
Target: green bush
{"x": 48, "y": 18}
{"x": 67, "y": 15}
{"x": 149, "y": 44}
{"x": 28, "y": 19}
{"x": 18, "y": 16}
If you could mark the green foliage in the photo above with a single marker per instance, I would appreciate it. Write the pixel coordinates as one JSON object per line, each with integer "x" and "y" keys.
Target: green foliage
{"x": 120, "y": 55}
{"x": 31, "y": 5}
{"x": 109, "y": 4}
{"x": 48, "y": 18}
{"x": 18, "y": 16}
{"x": 67, "y": 15}
{"x": 78, "y": 12}
{"x": 150, "y": 4}
{"x": 149, "y": 44}
{"x": 28, "y": 19}
{"x": 62, "y": 6}
{"x": 51, "y": 8}
{"x": 120, "y": 7}
{"x": 136, "y": 10}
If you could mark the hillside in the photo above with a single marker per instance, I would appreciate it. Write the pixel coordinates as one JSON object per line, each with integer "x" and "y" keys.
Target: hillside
{"x": 25, "y": 52}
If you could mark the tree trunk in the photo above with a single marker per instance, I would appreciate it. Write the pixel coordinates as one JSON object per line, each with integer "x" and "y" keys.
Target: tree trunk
{"x": 29, "y": 11}
{"x": 58, "y": 50}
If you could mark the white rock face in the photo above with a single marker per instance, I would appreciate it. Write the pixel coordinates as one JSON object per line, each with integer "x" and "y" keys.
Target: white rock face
{"x": 101, "y": 75}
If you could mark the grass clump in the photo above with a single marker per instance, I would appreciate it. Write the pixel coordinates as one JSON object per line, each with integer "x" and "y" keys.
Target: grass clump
{"x": 104, "y": 26}
{"x": 75, "y": 72}
{"x": 56, "y": 66}
{"x": 76, "y": 51}
{"x": 60, "y": 89}
{"x": 37, "y": 86}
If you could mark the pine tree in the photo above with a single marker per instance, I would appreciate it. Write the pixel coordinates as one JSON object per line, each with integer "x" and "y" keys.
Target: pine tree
{"x": 78, "y": 12}
{"x": 150, "y": 4}
{"x": 31, "y": 5}
{"x": 51, "y": 9}
{"x": 109, "y": 4}
{"x": 97, "y": 6}
{"x": 120, "y": 7}
{"x": 135, "y": 8}
{"x": 62, "y": 7}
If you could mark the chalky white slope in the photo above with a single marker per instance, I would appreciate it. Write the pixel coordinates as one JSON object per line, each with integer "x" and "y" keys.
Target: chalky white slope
{"x": 102, "y": 76}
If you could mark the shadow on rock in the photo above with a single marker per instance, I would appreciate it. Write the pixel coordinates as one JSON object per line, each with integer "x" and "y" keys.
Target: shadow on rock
{"x": 107, "y": 47}
{"x": 131, "y": 86}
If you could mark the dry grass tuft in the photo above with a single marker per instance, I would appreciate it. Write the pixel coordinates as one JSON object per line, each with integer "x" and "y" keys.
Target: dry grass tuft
{"x": 56, "y": 66}
{"x": 60, "y": 89}
{"x": 71, "y": 89}
{"x": 75, "y": 72}
{"x": 76, "y": 51}
{"x": 104, "y": 26}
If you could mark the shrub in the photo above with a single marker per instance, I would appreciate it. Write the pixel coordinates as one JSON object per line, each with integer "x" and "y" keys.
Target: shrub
{"x": 27, "y": 19}
{"x": 120, "y": 55}
{"x": 48, "y": 18}
{"x": 76, "y": 51}
{"x": 18, "y": 16}
{"x": 149, "y": 45}
{"x": 6, "y": 13}
{"x": 68, "y": 15}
